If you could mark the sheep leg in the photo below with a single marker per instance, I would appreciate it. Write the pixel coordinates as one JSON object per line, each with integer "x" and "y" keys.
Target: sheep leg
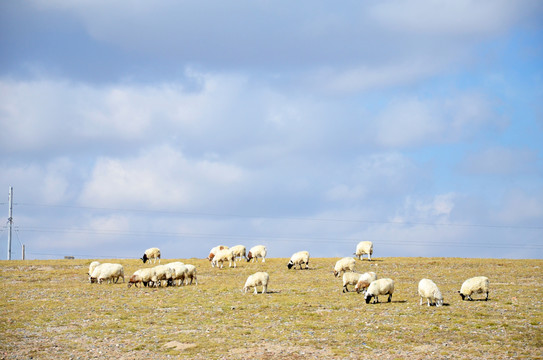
{"x": 429, "y": 302}
{"x": 264, "y": 289}
{"x": 389, "y": 298}
{"x": 256, "y": 291}
{"x": 486, "y": 299}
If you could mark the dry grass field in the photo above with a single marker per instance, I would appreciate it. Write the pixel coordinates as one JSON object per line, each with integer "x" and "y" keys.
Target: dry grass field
{"x": 50, "y": 311}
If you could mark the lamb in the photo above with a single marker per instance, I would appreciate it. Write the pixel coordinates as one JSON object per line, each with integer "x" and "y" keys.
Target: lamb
{"x": 344, "y": 264}
{"x": 364, "y": 281}
{"x": 224, "y": 255}
{"x": 299, "y": 258}
{"x": 107, "y": 271}
{"x": 152, "y": 253}
{"x": 92, "y": 266}
{"x": 379, "y": 287}
{"x": 475, "y": 285}
{"x": 179, "y": 272}
{"x": 191, "y": 274}
{"x": 350, "y": 278}
{"x": 143, "y": 276}
{"x": 162, "y": 272}
{"x": 239, "y": 251}
{"x": 257, "y": 279}
{"x": 214, "y": 251}
{"x": 428, "y": 290}
{"x": 364, "y": 247}
{"x": 257, "y": 251}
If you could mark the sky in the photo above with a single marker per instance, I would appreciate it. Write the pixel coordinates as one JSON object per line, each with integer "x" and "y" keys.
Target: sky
{"x": 417, "y": 125}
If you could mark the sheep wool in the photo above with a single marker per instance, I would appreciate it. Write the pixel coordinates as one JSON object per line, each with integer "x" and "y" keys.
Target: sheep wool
{"x": 151, "y": 253}
{"x": 257, "y": 251}
{"x": 299, "y": 258}
{"x": 344, "y": 265}
{"x": 428, "y": 290}
{"x": 364, "y": 248}
{"x": 214, "y": 251}
{"x": 92, "y": 266}
{"x": 223, "y": 255}
{"x": 364, "y": 281}
{"x": 379, "y": 287}
{"x": 191, "y": 274}
{"x": 110, "y": 272}
{"x": 475, "y": 285}
{"x": 257, "y": 279}
{"x": 350, "y": 278}
{"x": 239, "y": 251}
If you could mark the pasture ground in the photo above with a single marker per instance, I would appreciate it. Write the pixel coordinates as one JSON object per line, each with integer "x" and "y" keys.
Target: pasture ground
{"x": 48, "y": 310}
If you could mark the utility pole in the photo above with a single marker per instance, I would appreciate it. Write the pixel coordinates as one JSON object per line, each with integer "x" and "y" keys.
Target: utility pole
{"x": 10, "y": 220}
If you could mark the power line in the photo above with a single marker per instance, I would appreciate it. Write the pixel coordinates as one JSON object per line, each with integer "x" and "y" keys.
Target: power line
{"x": 207, "y": 214}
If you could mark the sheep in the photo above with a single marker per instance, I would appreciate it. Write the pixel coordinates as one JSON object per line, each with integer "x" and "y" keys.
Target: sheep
{"x": 428, "y": 290}
{"x": 179, "y": 272}
{"x": 92, "y": 266}
{"x": 162, "y": 272}
{"x": 239, "y": 251}
{"x": 350, "y": 278}
{"x": 475, "y": 285}
{"x": 257, "y": 251}
{"x": 214, "y": 251}
{"x": 364, "y": 281}
{"x": 223, "y": 255}
{"x": 257, "y": 279}
{"x": 344, "y": 264}
{"x": 191, "y": 274}
{"x": 379, "y": 287}
{"x": 107, "y": 271}
{"x": 152, "y": 253}
{"x": 299, "y": 258}
{"x": 143, "y": 276}
{"x": 364, "y": 247}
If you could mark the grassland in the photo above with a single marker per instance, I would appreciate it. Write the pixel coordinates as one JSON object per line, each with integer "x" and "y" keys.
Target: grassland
{"x": 48, "y": 310}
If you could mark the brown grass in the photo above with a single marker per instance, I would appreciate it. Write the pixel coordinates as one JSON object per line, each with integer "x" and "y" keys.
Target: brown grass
{"x": 50, "y": 311}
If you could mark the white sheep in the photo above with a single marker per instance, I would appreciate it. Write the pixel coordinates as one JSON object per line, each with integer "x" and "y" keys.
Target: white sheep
{"x": 364, "y": 281}
{"x": 379, "y": 287}
{"x": 257, "y": 251}
{"x": 151, "y": 253}
{"x": 343, "y": 265}
{"x": 257, "y": 279}
{"x": 92, "y": 265}
{"x": 364, "y": 247}
{"x": 428, "y": 290}
{"x": 107, "y": 271}
{"x": 222, "y": 256}
{"x": 141, "y": 276}
{"x": 350, "y": 278}
{"x": 475, "y": 285}
{"x": 299, "y": 258}
{"x": 179, "y": 272}
{"x": 214, "y": 251}
{"x": 191, "y": 274}
{"x": 162, "y": 272}
{"x": 239, "y": 251}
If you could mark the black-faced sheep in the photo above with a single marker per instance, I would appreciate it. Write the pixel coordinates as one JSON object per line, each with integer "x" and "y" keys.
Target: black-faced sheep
{"x": 379, "y": 287}
{"x": 475, "y": 285}
{"x": 151, "y": 254}
{"x": 299, "y": 258}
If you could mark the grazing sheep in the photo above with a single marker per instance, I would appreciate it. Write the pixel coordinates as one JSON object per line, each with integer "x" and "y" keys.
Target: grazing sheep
{"x": 475, "y": 285}
{"x": 179, "y": 272}
{"x": 107, "y": 271}
{"x": 350, "y": 278}
{"x": 223, "y": 255}
{"x": 299, "y": 258}
{"x": 257, "y": 251}
{"x": 191, "y": 274}
{"x": 342, "y": 265}
{"x": 257, "y": 279}
{"x": 152, "y": 253}
{"x": 364, "y": 247}
{"x": 214, "y": 251}
{"x": 239, "y": 251}
{"x": 364, "y": 281}
{"x": 92, "y": 265}
{"x": 142, "y": 276}
{"x": 379, "y": 287}
{"x": 428, "y": 290}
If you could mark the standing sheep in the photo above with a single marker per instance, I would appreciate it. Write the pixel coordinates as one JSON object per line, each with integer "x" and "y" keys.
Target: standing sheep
{"x": 152, "y": 253}
{"x": 257, "y": 251}
{"x": 222, "y": 256}
{"x": 299, "y": 258}
{"x": 428, "y": 290}
{"x": 179, "y": 272}
{"x": 162, "y": 272}
{"x": 257, "y": 279}
{"x": 214, "y": 251}
{"x": 475, "y": 285}
{"x": 344, "y": 264}
{"x": 364, "y": 247}
{"x": 379, "y": 287}
{"x": 239, "y": 251}
{"x": 350, "y": 278}
{"x": 364, "y": 281}
{"x": 107, "y": 271}
{"x": 92, "y": 266}
{"x": 142, "y": 276}
{"x": 191, "y": 274}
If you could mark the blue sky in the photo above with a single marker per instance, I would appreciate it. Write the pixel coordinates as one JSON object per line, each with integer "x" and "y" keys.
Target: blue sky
{"x": 415, "y": 124}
